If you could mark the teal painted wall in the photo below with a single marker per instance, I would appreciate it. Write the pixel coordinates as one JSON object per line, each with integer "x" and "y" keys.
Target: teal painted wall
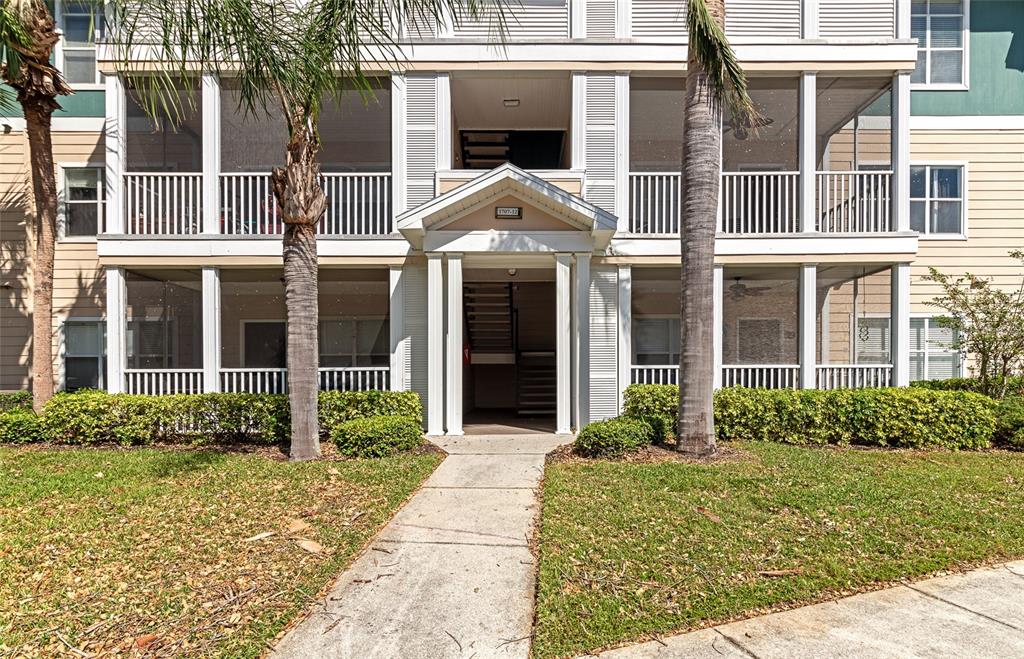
{"x": 996, "y": 52}
{"x": 86, "y": 103}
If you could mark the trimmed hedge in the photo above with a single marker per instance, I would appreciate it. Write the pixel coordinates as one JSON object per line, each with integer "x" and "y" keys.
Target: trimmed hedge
{"x": 15, "y": 400}
{"x": 613, "y": 437}
{"x": 893, "y": 417}
{"x": 1014, "y": 385}
{"x": 1010, "y": 422}
{"x": 21, "y": 426}
{"x": 336, "y": 407}
{"x": 657, "y": 404}
{"x": 377, "y": 436}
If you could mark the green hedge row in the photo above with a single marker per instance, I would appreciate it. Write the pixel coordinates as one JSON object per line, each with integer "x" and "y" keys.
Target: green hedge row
{"x": 613, "y": 437}
{"x": 15, "y": 400}
{"x": 1014, "y": 385}
{"x": 377, "y": 436}
{"x": 894, "y": 417}
{"x": 96, "y": 417}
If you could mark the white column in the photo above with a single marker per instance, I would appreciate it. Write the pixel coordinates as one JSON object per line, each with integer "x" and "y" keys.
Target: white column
{"x": 899, "y": 323}
{"x": 454, "y": 360}
{"x": 581, "y": 334}
{"x": 114, "y": 146}
{"x": 622, "y": 148}
{"x": 396, "y": 325}
{"x": 808, "y": 149}
{"x": 397, "y": 143}
{"x": 902, "y": 19}
{"x": 435, "y": 345}
{"x": 443, "y": 122}
{"x": 809, "y": 19}
{"x": 808, "y": 331}
{"x": 625, "y": 333}
{"x": 900, "y": 133}
{"x": 718, "y": 291}
{"x": 116, "y": 329}
{"x": 563, "y": 342}
{"x": 578, "y": 134}
{"x": 577, "y": 19}
{"x": 211, "y": 329}
{"x": 211, "y": 153}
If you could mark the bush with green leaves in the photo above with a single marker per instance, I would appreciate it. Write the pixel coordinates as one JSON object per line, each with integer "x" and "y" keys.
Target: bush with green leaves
{"x": 15, "y": 400}
{"x": 1014, "y": 385}
{"x": 336, "y": 407}
{"x": 1010, "y": 423}
{"x": 613, "y": 437}
{"x": 657, "y": 404}
{"x": 21, "y": 426}
{"x": 377, "y": 436}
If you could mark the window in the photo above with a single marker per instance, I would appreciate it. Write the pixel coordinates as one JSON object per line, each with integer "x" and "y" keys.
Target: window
{"x": 82, "y": 23}
{"x": 85, "y": 362}
{"x": 932, "y": 356}
{"x": 265, "y": 344}
{"x": 939, "y": 27}
{"x": 656, "y": 341}
{"x": 355, "y": 342}
{"x": 871, "y": 343}
{"x": 83, "y": 201}
{"x": 937, "y": 199}
{"x": 151, "y": 344}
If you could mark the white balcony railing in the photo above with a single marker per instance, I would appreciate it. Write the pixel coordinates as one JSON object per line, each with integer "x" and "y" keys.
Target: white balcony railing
{"x": 655, "y": 374}
{"x": 275, "y": 380}
{"x": 163, "y": 203}
{"x": 854, "y": 202}
{"x": 853, "y": 376}
{"x": 163, "y": 381}
{"x": 360, "y": 378}
{"x": 767, "y": 203}
{"x": 762, "y": 376}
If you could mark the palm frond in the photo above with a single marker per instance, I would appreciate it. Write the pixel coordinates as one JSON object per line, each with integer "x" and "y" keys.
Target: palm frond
{"x": 14, "y": 40}
{"x": 710, "y": 48}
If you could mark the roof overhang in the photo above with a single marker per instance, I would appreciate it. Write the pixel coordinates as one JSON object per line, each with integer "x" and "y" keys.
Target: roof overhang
{"x": 583, "y": 219}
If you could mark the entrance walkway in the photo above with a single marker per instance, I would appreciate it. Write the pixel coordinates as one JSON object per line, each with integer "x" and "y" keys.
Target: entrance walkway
{"x": 452, "y": 574}
{"x": 977, "y": 614}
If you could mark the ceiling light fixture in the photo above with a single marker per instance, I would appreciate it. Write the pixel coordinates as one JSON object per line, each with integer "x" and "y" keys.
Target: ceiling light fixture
{"x": 510, "y": 102}
{"x": 512, "y": 272}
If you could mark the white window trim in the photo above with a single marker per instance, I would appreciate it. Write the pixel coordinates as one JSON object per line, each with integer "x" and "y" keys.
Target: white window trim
{"x": 58, "y": 54}
{"x": 963, "y": 165}
{"x": 61, "y": 375}
{"x": 855, "y": 317}
{"x": 965, "y": 40}
{"x": 355, "y": 319}
{"x": 962, "y": 358}
{"x": 650, "y": 316}
{"x": 62, "y": 236}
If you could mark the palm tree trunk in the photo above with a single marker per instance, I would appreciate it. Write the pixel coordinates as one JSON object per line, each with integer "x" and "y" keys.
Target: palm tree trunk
{"x": 44, "y": 188}
{"x": 302, "y": 201}
{"x": 702, "y": 165}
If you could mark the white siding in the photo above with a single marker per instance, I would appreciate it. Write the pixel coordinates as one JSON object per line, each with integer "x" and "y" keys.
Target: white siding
{"x": 604, "y": 363}
{"x": 414, "y": 334}
{"x": 844, "y": 19}
{"x": 421, "y": 138}
{"x": 534, "y": 19}
{"x": 659, "y": 19}
{"x": 600, "y": 18}
{"x": 774, "y": 19}
{"x": 600, "y": 143}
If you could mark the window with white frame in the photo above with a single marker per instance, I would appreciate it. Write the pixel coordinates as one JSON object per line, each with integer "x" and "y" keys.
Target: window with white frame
{"x": 871, "y": 341}
{"x": 940, "y": 29}
{"x": 151, "y": 343}
{"x": 355, "y": 342}
{"x": 656, "y": 340}
{"x": 85, "y": 362}
{"x": 932, "y": 352}
{"x": 82, "y": 23}
{"x": 937, "y": 199}
{"x": 83, "y": 201}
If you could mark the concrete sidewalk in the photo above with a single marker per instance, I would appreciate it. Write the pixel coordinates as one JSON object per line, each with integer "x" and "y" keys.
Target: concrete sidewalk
{"x": 452, "y": 574}
{"x": 976, "y": 614}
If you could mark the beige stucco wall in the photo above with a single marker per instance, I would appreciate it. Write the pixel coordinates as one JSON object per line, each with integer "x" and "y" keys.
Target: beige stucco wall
{"x": 483, "y": 219}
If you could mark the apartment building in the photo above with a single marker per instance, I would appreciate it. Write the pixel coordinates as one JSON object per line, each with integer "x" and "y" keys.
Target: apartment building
{"x": 502, "y": 228}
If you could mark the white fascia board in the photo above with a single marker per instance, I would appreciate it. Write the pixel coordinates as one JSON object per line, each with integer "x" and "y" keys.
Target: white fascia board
{"x": 966, "y": 122}
{"x": 61, "y": 124}
{"x": 508, "y": 242}
{"x": 207, "y": 246}
{"x": 775, "y": 246}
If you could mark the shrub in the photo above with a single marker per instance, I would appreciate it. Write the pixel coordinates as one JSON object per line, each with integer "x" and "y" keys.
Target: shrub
{"x": 613, "y": 437}
{"x": 21, "y": 426}
{"x": 377, "y": 436}
{"x": 657, "y": 404}
{"x": 15, "y": 400}
{"x": 1014, "y": 385}
{"x": 337, "y": 407}
{"x": 1010, "y": 422}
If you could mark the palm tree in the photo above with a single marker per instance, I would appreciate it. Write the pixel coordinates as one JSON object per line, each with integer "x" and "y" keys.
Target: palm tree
{"x": 27, "y": 37}
{"x": 714, "y": 80}
{"x": 289, "y": 57}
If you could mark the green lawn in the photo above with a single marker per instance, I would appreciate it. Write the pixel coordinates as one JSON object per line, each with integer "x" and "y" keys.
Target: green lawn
{"x": 629, "y": 551}
{"x": 103, "y": 550}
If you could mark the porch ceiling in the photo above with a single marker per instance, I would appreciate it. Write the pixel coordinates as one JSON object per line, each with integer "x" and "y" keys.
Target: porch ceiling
{"x": 579, "y": 216}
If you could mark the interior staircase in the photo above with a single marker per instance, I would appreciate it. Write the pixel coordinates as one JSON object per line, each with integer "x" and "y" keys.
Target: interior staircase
{"x": 536, "y": 384}
{"x": 489, "y": 319}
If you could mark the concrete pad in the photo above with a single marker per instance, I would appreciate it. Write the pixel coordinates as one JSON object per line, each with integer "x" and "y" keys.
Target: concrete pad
{"x": 501, "y": 444}
{"x": 505, "y": 471}
{"x": 897, "y": 622}
{"x": 702, "y": 644}
{"x": 480, "y": 517}
{"x": 988, "y": 592}
{"x": 407, "y": 602}
{"x": 1016, "y": 567}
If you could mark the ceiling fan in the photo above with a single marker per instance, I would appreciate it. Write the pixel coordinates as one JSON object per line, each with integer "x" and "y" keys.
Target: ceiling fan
{"x": 739, "y": 290}
{"x": 742, "y": 126}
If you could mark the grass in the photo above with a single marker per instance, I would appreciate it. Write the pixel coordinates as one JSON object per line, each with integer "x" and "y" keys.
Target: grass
{"x": 117, "y": 551}
{"x": 631, "y": 551}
